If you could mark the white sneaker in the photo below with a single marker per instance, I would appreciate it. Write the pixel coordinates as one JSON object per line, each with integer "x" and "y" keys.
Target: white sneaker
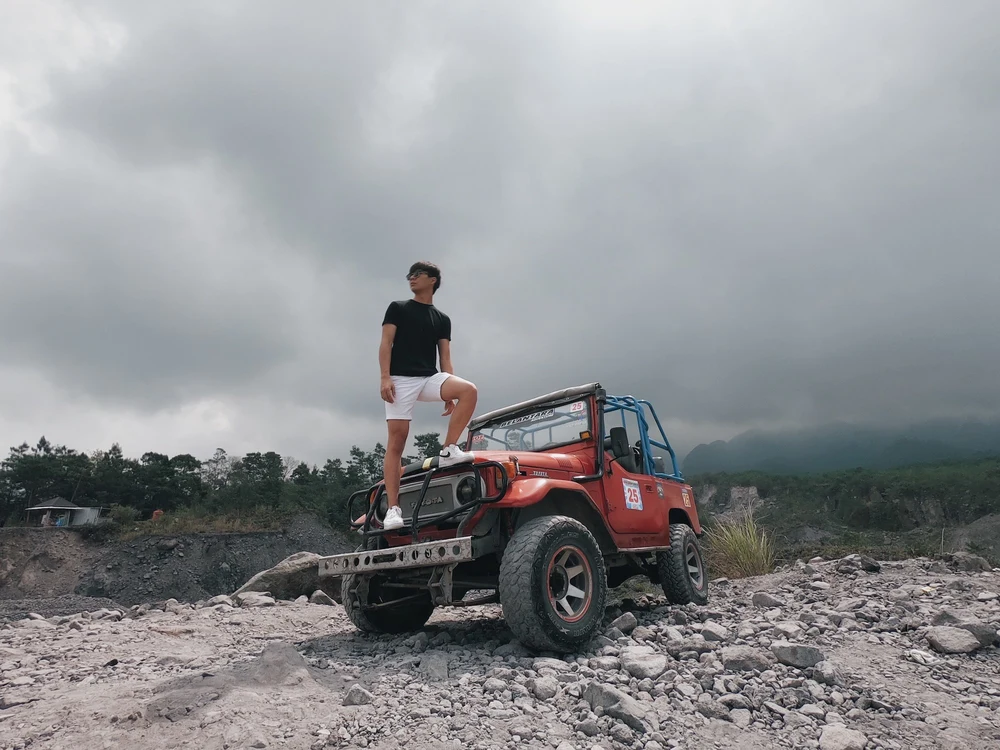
{"x": 393, "y": 518}
{"x": 452, "y": 455}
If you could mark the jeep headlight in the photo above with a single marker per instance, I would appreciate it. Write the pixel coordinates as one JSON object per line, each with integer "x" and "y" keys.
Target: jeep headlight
{"x": 467, "y": 490}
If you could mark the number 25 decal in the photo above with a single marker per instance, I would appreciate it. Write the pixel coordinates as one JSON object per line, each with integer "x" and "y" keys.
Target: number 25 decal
{"x": 633, "y": 496}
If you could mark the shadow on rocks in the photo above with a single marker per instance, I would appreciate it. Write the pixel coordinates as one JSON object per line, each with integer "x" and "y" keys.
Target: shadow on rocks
{"x": 280, "y": 664}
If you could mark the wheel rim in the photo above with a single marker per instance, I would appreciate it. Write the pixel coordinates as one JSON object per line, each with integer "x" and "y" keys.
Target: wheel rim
{"x": 692, "y": 561}
{"x": 570, "y": 583}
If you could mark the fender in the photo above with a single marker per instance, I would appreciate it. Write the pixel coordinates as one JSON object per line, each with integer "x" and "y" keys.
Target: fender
{"x": 524, "y": 492}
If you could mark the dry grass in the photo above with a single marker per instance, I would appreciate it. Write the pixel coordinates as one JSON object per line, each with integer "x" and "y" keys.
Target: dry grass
{"x": 234, "y": 522}
{"x": 738, "y": 547}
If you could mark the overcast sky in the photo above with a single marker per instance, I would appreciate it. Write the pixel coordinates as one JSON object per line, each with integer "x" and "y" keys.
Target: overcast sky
{"x": 754, "y": 214}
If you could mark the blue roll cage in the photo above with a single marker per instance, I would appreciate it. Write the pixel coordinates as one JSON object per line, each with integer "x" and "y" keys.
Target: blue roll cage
{"x": 623, "y": 404}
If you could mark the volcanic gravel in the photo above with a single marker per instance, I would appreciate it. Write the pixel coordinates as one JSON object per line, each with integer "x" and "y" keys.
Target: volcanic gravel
{"x": 847, "y": 654}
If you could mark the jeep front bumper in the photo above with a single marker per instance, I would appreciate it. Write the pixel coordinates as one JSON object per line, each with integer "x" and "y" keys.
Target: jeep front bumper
{"x": 423, "y": 555}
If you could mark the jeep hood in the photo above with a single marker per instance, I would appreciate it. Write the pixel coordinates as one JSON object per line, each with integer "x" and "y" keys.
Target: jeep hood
{"x": 577, "y": 464}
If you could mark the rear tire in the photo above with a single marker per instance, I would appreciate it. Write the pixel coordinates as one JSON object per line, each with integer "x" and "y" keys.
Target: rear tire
{"x": 408, "y": 615}
{"x": 553, "y": 584}
{"x": 682, "y": 569}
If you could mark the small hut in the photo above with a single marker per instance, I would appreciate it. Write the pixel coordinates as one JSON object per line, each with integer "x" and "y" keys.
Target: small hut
{"x": 61, "y": 512}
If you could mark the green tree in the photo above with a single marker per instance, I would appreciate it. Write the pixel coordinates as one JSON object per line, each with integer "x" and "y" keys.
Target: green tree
{"x": 428, "y": 444}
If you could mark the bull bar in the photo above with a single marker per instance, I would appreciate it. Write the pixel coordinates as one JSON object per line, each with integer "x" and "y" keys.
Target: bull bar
{"x": 424, "y": 554}
{"x": 416, "y": 523}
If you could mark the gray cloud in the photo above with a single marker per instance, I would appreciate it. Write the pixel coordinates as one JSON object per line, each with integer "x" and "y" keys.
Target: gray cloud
{"x": 751, "y": 219}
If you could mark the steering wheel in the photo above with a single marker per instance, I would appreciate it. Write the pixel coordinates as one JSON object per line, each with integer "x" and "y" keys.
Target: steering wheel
{"x": 637, "y": 450}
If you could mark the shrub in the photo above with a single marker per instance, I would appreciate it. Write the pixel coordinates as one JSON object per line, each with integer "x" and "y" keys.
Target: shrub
{"x": 737, "y": 547}
{"x": 123, "y": 515}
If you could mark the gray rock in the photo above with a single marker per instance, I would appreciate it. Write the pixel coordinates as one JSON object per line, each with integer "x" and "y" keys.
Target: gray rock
{"x": 295, "y": 575}
{"x": 786, "y": 630}
{"x": 621, "y": 733}
{"x": 795, "y": 719}
{"x": 713, "y": 710}
{"x": 945, "y": 617}
{"x": 837, "y": 737}
{"x": 796, "y": 655}
{"x": 321, "y": 597}
{"x": 986, "y": 634}
{"x": 626, "y": 623}
{"x": 544, "y": 688}
{"x": 827, "y": 673}
{"x": 642, "y": 633}
{"x": 967, "y": 562}
{"x": 951, "y": 640}
{"x": 618, "y": 705}
{"x": 712, "y": 631}
{"x": 745, "y": 659}
{"x": 741, "y": 717}
{"x": 814, "y": 711}
{"x": 643, "y": 662}
{"x": 850, "y": 605}
{"x": 870, "y": 564}
{"x": 357, "y": 696}
{"x": 765, "y": 601}
{"x": 254, "y": 599}
{"x": 610, "y": 663}
{"x": 494, "y": 685}
{"x": 735, "y": 700}
{"x": 556, "y": 665}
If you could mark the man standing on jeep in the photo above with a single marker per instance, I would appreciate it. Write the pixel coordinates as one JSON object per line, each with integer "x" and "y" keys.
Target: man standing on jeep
{"x": 414, "y": 334}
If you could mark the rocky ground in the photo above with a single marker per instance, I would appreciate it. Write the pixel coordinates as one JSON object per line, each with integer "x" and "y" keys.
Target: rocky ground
{"x": 837, "y": 655}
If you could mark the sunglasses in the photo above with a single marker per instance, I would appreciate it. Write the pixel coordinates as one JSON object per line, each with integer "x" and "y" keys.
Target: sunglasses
{"x": 415, "y": 274}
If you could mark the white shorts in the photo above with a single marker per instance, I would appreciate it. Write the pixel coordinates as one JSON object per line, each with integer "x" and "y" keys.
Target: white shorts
{"x": 409, "y": 390}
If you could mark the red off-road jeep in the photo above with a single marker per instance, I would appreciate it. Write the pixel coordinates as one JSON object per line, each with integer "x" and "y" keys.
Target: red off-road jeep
{"x": 551, "y": 514}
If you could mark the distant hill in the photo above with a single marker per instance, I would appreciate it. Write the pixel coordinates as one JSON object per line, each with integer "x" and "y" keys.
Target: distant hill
{"x": 845, "y": 446}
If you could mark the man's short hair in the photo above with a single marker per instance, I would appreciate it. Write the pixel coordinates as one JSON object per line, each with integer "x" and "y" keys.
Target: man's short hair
{"x": 432, "y": 270}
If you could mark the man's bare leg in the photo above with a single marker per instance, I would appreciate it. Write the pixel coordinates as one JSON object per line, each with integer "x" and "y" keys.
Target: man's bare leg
{"x": 392, "y": 468}
{"x": 467, "y": 395}
{"x": 392, "y": 465}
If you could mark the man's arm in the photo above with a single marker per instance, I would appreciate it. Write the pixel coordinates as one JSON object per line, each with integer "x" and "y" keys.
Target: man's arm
{"x": 444, "y": 351}
{"x": 386, "y": 388}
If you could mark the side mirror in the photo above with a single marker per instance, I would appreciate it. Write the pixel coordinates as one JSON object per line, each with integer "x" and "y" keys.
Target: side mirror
{"x": 619, "y": 442}
{"x": 621, "y": 450}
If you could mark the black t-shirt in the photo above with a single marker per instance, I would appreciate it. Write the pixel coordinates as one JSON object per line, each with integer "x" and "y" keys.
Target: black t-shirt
{"x": 419, "y": 327}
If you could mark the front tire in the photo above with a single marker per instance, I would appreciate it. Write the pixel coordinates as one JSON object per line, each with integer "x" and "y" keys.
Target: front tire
{"x": 553, "y": 584}
{"x": 360, "y": 591}
{"x": 682, "y": 569}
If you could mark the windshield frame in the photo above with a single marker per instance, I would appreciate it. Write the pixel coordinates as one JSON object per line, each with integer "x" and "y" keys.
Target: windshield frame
{"x": 512, "y": 418}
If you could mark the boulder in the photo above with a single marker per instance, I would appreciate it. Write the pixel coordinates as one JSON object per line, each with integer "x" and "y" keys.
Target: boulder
{"x": 797, "y": 655}
{"x": 967, "y": 562}
{"x": 949, "y": 640}
{"x": 295, "y": 576}
{"x": 619, "y": 706}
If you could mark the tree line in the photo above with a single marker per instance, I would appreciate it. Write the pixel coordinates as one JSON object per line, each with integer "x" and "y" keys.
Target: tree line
{"x": 221, "y": 484}
{"x": 947, "y": 493}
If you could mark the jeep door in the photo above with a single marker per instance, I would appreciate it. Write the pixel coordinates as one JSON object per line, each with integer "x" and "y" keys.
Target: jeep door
{"x": 636, "y": 502}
